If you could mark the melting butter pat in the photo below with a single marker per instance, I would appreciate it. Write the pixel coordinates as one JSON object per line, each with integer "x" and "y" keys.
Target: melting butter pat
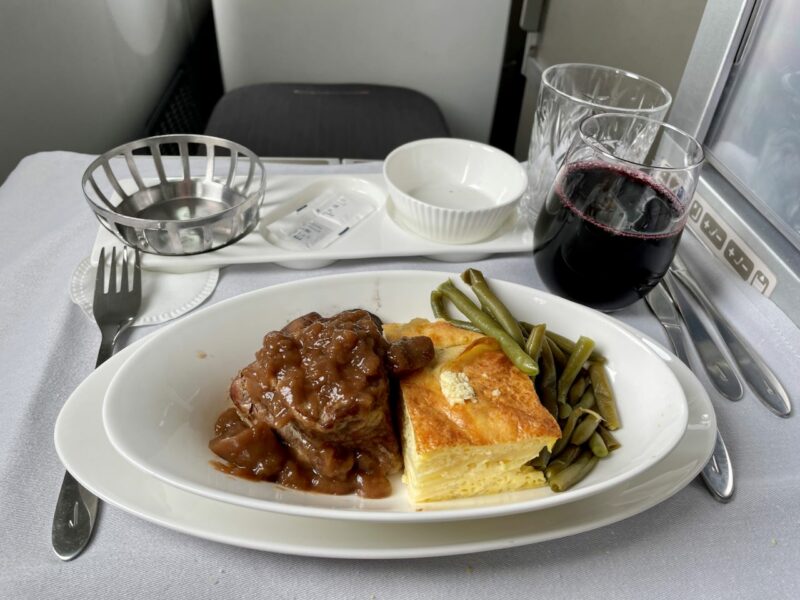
{"x": 456, "y": 387}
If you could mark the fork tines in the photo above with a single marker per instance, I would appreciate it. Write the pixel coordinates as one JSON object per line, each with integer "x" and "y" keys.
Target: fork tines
{"x": 125, "y": 284}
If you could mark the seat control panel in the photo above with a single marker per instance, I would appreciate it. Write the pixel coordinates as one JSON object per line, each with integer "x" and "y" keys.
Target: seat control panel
{"x": 723, "y": 242}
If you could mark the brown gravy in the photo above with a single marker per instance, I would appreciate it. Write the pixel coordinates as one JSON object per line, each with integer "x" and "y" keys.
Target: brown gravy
{"x": 312, "y": 412}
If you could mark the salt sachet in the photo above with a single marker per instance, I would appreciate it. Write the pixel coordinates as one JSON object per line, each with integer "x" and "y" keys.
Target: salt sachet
{"x": 320, "y": 221}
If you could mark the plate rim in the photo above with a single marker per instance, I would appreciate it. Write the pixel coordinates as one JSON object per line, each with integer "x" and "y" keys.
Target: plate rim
{"x": 389, "y": 516}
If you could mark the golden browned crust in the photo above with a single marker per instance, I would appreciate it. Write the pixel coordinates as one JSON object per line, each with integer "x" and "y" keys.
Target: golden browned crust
{"x": 442, "y": 334}
{"x": 506, "y": 408}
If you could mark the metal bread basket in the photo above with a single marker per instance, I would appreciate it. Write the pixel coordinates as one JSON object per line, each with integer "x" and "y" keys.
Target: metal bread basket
{"x": 204, "y": 197}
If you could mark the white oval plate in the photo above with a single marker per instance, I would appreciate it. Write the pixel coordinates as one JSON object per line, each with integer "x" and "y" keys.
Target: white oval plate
{"x": 160, "y": 408}
{"x": 84, "y": 449}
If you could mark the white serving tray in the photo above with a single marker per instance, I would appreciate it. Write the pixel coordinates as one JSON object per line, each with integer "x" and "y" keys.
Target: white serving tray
{"x": 377, "y": 236}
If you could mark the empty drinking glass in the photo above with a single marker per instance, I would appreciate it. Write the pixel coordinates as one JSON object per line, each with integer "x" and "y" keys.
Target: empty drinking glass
{"x": 568, "y": 94}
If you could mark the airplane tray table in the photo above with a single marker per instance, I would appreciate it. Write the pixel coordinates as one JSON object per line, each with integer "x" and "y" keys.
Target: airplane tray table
{"x": 687, "y": 546}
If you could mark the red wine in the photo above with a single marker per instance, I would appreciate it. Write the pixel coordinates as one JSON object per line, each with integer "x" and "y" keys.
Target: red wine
{"x": 605, "y": 236}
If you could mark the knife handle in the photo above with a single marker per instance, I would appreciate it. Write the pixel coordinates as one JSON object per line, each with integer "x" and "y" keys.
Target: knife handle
{"x": 718, "y": 474}
{"x": 716, "y": 365}
{"x": 759, "y": 376}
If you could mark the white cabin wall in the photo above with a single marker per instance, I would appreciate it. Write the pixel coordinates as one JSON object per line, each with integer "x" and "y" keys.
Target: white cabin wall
{"x": 85, "y": 75}
{"x": 649, "y": 37}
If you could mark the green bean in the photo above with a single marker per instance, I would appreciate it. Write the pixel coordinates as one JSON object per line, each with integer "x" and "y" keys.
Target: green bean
{"x": 564, "y": 410}
{"x": 548, "y": 380}
{"x": 608, "y": 438}
{"x": 540, "y": 462}
{"x": 564, "y": 460}
{"x": 437, "y": 304}
{"x": 587, "y": 400}
{"x": 606, "y": 405}
{"x": 585, "y": 429}
{"x": 439, "y": 311}
{"x": 574, "y": 472}
{"x": 566, "y": 432}
{"x": 463, "y": 325}
{"x": 577, "y": 389}
{"x": 597, "y": 445}
{"x": 489, "y": 327}
{"x": 583, "y": 348}
{"x": 533, "y": 345}
{"x": 558, "y": 354}
{"x": 477, "y": 317}
{"x": 492, "y": 304}
{"x": 568, "y": 346}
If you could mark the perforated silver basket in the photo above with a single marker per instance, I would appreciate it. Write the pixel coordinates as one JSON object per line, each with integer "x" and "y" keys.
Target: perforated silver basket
{"x": 204, "y": 197}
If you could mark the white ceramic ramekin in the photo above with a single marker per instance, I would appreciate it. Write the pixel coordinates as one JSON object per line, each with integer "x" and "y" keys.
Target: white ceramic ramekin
{"x": 453, "y": 191}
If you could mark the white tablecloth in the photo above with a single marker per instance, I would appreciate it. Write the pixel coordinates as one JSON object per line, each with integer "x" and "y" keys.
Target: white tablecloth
{"x": 688, "y": 546}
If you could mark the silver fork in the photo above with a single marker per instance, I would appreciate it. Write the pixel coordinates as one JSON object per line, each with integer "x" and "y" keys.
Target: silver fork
{"x": 114, "y": 310}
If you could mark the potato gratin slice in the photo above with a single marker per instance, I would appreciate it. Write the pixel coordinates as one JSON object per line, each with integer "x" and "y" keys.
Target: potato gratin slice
{"x": 471, "y": 421}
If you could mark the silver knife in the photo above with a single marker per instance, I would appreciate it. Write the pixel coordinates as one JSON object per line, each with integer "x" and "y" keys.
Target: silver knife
{"x": 759, "y": 376}
{"x": 718, "y": 472}
{"x": 719, "y": 370}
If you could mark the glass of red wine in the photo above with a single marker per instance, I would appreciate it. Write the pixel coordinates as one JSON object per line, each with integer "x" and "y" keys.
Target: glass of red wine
{"x": 611, "y": 223}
